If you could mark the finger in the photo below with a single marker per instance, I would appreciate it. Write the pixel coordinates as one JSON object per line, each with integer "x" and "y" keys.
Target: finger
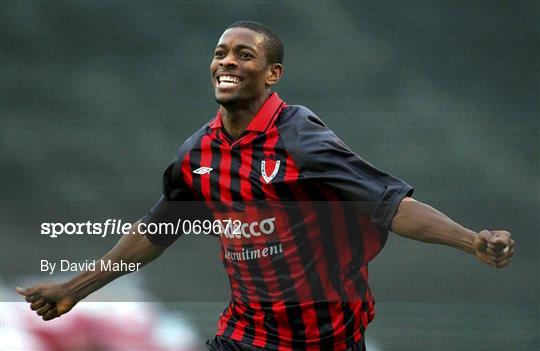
{"x": 44, "y": 309}
{"x": 499, "y": 247}
{"x": 501, "y": 237}
{"x": 500, "y": 233}
{"x": 495, "y": 250}
{"x": 32, "y": 298}
{"x": 51, "y": 314}
{"x": 510, "y": 253}
{"x": 494, "y": 253}
{"x": 502, "y": 241}
{"x": 490, "y": 262}
{"x": 485, "y": 236}
{"x": 503, "y": 263}
{"x": 38, "y": 304}
{"x": 481, "y": 240}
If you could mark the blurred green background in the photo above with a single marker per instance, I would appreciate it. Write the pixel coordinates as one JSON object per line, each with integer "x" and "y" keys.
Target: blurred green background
{"x": 96, "y": 97}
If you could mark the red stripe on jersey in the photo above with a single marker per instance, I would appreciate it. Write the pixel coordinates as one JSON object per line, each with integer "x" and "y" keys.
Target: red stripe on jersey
{"x": 284, "y": 328}
{"x": 186, "y": 171}
{"x": 245, "y": 169}
{"x": 291, "y": 172}
{"x": 233, "y": 312}
{"x": 222, "y": 322}
{"x": 335, "y": 301}
{"x": 372, "y": 240}
{"x": 238, "y": 331}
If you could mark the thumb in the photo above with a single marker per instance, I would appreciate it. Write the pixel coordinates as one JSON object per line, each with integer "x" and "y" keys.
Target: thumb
{"x": 25, "y": 292}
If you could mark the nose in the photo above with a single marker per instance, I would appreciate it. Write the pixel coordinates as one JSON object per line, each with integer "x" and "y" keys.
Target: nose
{"x": 228, "y": 61}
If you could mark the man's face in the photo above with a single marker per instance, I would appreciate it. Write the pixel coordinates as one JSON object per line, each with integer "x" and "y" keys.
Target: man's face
{"x": 239, "y": 69}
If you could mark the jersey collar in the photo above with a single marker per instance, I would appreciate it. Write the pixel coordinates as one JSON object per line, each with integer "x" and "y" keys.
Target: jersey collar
{"x": 262, "y": 119}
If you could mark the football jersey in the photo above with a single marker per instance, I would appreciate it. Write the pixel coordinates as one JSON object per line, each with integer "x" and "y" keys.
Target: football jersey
{"x": 300, "y": 216}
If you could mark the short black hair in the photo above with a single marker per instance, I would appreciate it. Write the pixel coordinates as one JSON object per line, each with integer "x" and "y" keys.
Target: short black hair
{"x": 272, "y": 44}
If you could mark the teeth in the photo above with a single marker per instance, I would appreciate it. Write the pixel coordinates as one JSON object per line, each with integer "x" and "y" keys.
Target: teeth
{"x": 228, "y": 79}
{"x": 227, "y": 84}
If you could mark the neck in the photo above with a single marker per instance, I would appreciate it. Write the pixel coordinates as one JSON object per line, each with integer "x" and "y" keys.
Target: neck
{"x": 236, "y": 118}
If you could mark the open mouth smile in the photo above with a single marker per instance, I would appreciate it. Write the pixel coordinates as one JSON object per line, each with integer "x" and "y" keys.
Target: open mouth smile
{"x": 228, "y": 81}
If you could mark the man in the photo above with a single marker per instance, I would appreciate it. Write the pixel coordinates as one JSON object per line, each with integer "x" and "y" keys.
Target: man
{"x": 310, "y": 214}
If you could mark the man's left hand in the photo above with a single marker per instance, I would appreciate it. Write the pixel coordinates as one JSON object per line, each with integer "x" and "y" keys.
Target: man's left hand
{"x": 494, "y": 247}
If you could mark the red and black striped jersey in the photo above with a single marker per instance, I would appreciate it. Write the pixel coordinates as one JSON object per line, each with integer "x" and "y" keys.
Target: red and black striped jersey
{"x": 306, "y": 216}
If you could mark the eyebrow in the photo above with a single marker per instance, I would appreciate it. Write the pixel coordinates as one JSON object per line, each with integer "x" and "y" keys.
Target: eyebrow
{"x": 239, "y": 46}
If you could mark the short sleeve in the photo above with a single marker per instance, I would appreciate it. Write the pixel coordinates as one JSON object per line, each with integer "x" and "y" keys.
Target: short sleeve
{"x": 170, "y": 208}
{"x": 325, "y": 159}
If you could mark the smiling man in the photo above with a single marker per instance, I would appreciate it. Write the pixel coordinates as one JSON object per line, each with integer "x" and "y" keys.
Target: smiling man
{"x": 308, "y": 214}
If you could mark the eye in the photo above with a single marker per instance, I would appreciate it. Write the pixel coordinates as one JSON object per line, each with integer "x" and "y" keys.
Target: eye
{"x": 245, "y": 55}
{"x": 219, "y": 54}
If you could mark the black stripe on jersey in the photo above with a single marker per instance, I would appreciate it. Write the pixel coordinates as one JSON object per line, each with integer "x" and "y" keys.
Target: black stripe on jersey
{"x": 256, "y": 190}
{"x": 215, "y": 162}
{"x": 229, "y": 329}
{"x": 274, "y": 116}
{"x": 355, "y": 241}
{"x": 249, "y": 330}
{"x": 357, "y": 252}
{"x": 235, "y": 177}
{"x": 261, "y": 287}
{"x": 245, "y": 302}
{"x": 195, "y": 159}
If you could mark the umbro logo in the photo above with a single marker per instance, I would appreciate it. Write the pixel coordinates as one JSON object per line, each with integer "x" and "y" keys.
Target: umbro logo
{"x": 203, "y": 170}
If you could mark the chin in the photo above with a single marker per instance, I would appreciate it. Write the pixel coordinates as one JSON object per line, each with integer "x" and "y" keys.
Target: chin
{"x": 227, "y": 100}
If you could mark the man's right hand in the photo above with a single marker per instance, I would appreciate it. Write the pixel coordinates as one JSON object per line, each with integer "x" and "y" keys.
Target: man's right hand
{"x": 49, "y": 300}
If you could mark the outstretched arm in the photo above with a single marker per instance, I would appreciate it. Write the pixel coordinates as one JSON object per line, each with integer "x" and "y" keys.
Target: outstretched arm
{"x": 419, "y": 221}
{"x": 51, "y": 300}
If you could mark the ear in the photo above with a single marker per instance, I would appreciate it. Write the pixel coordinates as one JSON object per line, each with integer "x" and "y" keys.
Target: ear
{"x": 275, "y": 71}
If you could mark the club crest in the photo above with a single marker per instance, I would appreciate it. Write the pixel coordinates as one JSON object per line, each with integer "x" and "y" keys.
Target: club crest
{"x": 271, "y": 166}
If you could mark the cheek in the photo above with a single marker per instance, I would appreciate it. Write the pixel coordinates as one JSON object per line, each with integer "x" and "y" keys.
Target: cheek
{"x": 264, "y": 79}
{"x": 213, "y": 65}
{"x": 260, "y": 78}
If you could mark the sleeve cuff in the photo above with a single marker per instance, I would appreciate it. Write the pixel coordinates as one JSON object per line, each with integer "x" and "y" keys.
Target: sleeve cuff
{"x": 386, "y": 208}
